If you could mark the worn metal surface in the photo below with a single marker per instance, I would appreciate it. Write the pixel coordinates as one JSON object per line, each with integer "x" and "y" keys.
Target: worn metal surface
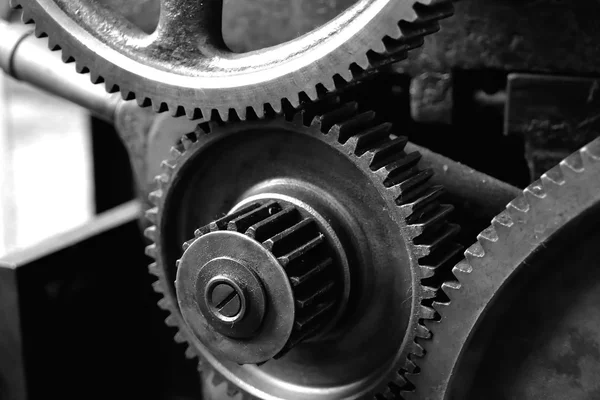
{"x": 554, "y": 114}
{"x": 185, "y": 66}
{"x": 548, "y": 208}
{"x": 209, "y": 174}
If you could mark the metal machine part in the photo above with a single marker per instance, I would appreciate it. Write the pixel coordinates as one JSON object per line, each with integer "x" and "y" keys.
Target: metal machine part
{"x": 396, "y": 248}
{"x": 262, "y": 279}
{"x": 555, "y": 206}
{"x": 185, "y": 67}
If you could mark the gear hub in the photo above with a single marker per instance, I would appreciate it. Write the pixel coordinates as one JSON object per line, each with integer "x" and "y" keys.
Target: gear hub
{"x": 262, "y": 279}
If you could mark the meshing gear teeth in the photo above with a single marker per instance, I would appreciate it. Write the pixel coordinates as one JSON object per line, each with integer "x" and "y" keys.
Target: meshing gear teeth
{"x": 301, "y": 249}
{"x": 368, "y": 142}
{"x": 529, "y": 221}
{"x": 352, "y": 47}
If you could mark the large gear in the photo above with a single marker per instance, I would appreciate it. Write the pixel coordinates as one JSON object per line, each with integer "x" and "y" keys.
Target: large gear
{"x": 549, "y": 207}
{"x": 184, "y": 66}
{"x": 337, "y": 162}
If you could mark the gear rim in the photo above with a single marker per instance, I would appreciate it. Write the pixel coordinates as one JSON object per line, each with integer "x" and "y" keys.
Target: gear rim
{"x": 546, "y": 206}
{"x": 376, "y": 40}
{"x": 338, "y": 128}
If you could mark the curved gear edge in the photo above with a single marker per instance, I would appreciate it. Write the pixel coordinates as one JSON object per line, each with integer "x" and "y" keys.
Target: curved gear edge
{"x": 407, "y": 34}
{"x": 427, "y": 234}
{"x": 539, "y": 212}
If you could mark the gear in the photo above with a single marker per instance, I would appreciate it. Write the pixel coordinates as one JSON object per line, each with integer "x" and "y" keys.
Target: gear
{"x": 548, "y": 207}
{"x": 397, "y": 248}
{"x": 298, "y": 251}
{"x": 185, "y": 67}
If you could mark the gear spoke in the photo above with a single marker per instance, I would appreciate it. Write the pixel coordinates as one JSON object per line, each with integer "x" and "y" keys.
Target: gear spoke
{"x": 191, "y": 24}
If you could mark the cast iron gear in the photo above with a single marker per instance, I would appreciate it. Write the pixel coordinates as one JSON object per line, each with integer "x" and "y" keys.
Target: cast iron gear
{"x": 350, "y": 168}
{"x": 301, "y": 250}
{"x": 560, "y": 199}
{"x": 184, "y": 66}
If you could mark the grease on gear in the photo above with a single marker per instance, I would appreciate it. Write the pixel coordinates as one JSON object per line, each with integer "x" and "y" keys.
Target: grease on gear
{"x": 184, "y": 66}
{"x": 398, "y": 248}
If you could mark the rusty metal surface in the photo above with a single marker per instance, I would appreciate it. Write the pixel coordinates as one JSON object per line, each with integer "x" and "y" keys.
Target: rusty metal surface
{"x": 554, "y": 114}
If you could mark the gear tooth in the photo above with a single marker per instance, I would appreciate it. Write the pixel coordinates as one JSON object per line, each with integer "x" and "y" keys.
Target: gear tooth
{"x": 474, "y": 252}
{"x": 95, "y": 78}
{"x": 16, "y": 4}
{"x": 187, "y": 142}
{"x": 352, "y": 126}
{"x": 152, "y": 215}
{"x": 155, "y": 197}
{"x": 151, "y": 251}
{"x": 428, "y": 292}
{"x": 168, "y": 166}
{"x": 502, "y": 224}
{"x": 364, "y": 141}
{"x": 427, "y": 312}
{"x": 157, "y": 106}
{"x": 381, "y": 155}
{"x": 426, "y": 246}
{"x": 193, "y": 113}
{"x": 109, "y": 86}
{"x": 518, "y": 208}
{"x": 591, "y": 152}
{"x": 430, "y": 266}
{"x": 187, "y": 244}
{"x": 163, "y": 303}
{"x": 157, "y": 286}
{"x": 329, "y": 84}
{"x": 534, "y": 192}
{"x": 311, "y": 93}
{"x": 161, "y": 181}
{"x": 422, "y": 332}
{"x": 66, "y": 57}
{"x": 489, "y": 234}
{"x": 171, "y": 321}
{"x": 151, "y": 233}
{"x": 274, "y": 243}
{"x": 81, "y": 68}
{"x": 26, "y": 16}
{"x": 127, "y": 94}
{"x": 572, "y": 165}
{"x": 417, "y": 350}
{"x": 330, "y": 118}
{"x": 176, "y": 110}
{"x": 293, "y": 101}
{"x": 553, "y": 177}
{"x": 179, "y": 337}
{"x": 143, "y": 102}
{"x": 190, "y": 352}
{"x": 53, "y": 44}
{"x": 175, "y": 154}
{"x": 154, "y": 270}
{"x": 39, "y": 32}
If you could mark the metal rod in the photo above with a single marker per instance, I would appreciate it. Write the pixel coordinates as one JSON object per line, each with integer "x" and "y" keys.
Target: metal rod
{"x": 28, "y": 59}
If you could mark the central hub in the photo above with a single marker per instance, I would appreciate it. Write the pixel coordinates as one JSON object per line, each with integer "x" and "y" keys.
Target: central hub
{"x": 225, "y": 299}
{"x": 261, "y": 280}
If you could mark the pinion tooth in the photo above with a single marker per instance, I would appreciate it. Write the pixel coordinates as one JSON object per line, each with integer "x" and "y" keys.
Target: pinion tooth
{"x": 150, "y": 233}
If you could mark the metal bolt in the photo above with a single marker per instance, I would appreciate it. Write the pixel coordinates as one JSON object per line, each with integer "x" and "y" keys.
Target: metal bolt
{"x": 226, "y": 300}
